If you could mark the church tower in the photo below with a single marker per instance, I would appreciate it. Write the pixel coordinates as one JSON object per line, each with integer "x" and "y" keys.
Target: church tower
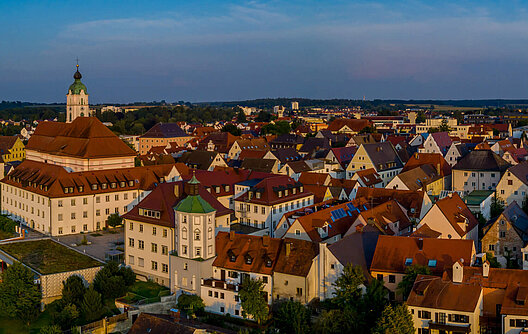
{"x": 77, "y": 99}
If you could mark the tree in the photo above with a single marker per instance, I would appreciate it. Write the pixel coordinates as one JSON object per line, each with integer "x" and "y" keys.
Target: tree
{"x": 252, "y": 300}
{"x": 374, "y": 301}
{"x": 128, "y": 275}
{"x": 394, "y": 320}
{"x": 494, "y": 263}
{"x": 406, "y": 284}
{"x": 292, "y": 317}
{"x": 192, "y": 304}
{"x": 497, "y": 206}
{"x": 232, "y": 129}
{"x": 347, "y": 286}
{"x": 19, "y": 296}
{"x": 92, "y": 305}
{"x": 50, "y": 329}
{"x": 330, "y": 322}
{"x": 67, "y": 317}
{"x": 114, "y": 220}
{"x": 241, "y": 116}
{"x": 109, "y": 281}
{"x": 73, "y": 290}
{"x": 444, "y": 127}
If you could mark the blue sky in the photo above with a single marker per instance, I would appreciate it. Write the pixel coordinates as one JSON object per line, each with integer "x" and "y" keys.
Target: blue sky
{"x": 230, "y": 50}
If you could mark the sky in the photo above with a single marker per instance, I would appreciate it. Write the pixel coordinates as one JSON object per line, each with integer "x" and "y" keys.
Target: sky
{"x": 235, "y": 50}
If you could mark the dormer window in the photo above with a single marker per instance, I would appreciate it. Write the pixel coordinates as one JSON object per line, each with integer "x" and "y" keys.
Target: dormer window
{"x": 103, "y": 186}
{"x": 257, "y": 194}
{"x": 268, "y": 262}
{"x": 301, "y": 189}
{"x": 294, "y": 191}
{"x": 113, "y": 185}
{"x": 227, "y": 188}
{"x": 122, "y": 184}
{"x": 217, "y": 189}
{"x": 94, "y": 186}
{"x": 130, "y": 183}
{"x": 286, "y": 192}
{"x": 408, "y": 261}
{"x": 248, "y": 259}
{"x": 280, "y": 193}
{"x": 66, "y": 190}
{"x": 81, "y": 189}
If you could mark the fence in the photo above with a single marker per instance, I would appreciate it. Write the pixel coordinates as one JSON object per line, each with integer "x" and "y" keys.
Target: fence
{"x": 101, "y": 323}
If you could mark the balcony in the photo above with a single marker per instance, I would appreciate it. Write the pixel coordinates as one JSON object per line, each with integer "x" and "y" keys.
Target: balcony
{"x": 450, "y": 328}
{"x": 219, "y": 284}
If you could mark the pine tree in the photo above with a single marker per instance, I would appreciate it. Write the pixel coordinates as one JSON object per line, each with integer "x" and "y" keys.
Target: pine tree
{"x": 92, "y": 305}
{"x": 394, "y": 320}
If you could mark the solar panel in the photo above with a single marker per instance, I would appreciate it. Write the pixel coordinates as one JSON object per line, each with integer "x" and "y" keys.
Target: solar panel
{"x": 337, "y": 214}
{"x": 351, "y": 206}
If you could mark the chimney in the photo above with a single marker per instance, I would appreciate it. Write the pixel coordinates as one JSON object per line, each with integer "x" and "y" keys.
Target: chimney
{"x": 438, "y": 168}
{"x": 458, "y": 272}
{"x": 231, "y": 235}
{"x": 288, "y": 248}
{"x": 176, "y": 190}
{"x": 419, "y": 242}
{"x": 485, "y": 269}
{"x": 265, "y": 240}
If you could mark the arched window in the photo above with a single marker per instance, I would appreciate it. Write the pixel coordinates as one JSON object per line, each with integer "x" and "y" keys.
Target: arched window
{"x": 184, "y": 233}
{"x": 196, "y": 234}
{"x": 210, "y": 233}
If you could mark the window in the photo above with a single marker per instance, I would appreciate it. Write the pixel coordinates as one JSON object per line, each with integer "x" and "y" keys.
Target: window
{"x": 140, "y": 227}
{"x": 73, "y": 229}
{"x": 518, "y": 323}
{"x": 502, "y": 234}
{"x": 97, "y": 212}
{"x": 164, "y": 232}
{"x": 185, "y": 266}
{"x": 154, "y": 248}
{"x": 60, "y": 230}
{"x": 184, "y": 250}
{"x": 59, "y": 203}
{"x": 379, "y": 277}
{"x": 141, "y": 244}
{"x": 392, "y": 279}
{"x": 263, "y": 210}
{"x": 198, "y": 252}
{"x": 424, "y": 315}
{"x": 154, "y": 265}
{"x": 196, "y": 234}
{"x": 458, "y": 318}
{"x": 153, "y": 231}
{"x": 297, "y": 232}
{"x": 164, "y": 268}
{"x": 299, "y": 291}
{"x": 130, "y": 242}
{"x": 85, "y": 227}
{"x": 184, "y": 233}
{"x": 440, "y": 317}
{"x": 59, "y": 217}
{"x": 265, "y": 279}
{"x": 107, "y": 198}
{"x": 131, "y": 226}
{"x": 85, "y": 214}
{"x": 491, "y": 247}
{"x": 72, "y": 215}
{"x": 164, "y": 250}
{"x": 141, "y": 262}
{"x": 130, "y": 260}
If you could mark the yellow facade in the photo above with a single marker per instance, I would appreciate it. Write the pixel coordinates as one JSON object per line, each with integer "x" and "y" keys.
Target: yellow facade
{"x": 16, "y": 153}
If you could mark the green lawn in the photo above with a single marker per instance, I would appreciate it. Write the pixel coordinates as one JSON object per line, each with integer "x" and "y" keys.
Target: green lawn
{"x": 147, "y": 289}
{"x": 15, "y": 326}
{"x": 48, "y": 257}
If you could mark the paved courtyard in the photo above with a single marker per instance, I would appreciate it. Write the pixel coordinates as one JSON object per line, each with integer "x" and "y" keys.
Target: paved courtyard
{"x": 99, "y": 244}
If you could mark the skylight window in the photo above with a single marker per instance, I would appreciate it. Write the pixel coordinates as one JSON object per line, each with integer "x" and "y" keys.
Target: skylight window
{"x": 431, "y": 263}
{"x": 408, "y": 261}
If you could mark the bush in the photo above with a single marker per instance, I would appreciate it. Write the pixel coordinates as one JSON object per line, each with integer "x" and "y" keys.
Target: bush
{"x": 92, "y": 305}
{"x": 191, "y": 304}
{"x": 114, "y": 220}
{"x": 73, "y": 290}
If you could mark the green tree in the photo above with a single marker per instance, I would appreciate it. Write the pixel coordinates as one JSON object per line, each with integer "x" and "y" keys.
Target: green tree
{"x": 330, "y": 322}
{"x": 109, "y": 282}
{"x": 92, "y": 305}
{"x": 128, "y": 275}
{"x": 191, "y": 304}
{"x": 232, "y": 129}
{"x": 394, "y": 320}
{"x": 292, "y": 317}
{"x": 374, "y": 301}
{"x": 497, "y": 206}
{"x": 67, "y": 317}
{"x": 19, "y": 296}
{"x": 494, "y": 263}
{"x": 241, "y": 116}
{"x": 348, "y": 286}
{"x": 73, "y": 290}
{"x": 444, "y": 127}
{"x": 50, "y": 329}
{"x": 114, "y": 220}
{"x": 252, "y": 300}
{"x": 406, "y": 284}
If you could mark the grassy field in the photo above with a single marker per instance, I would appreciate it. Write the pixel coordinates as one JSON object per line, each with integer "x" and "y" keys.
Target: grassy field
{"x": 48, "y": 257}
{"x": 6, "y": 235}
{"x": 15, "y": 326}
{"x": 145, "y": 290}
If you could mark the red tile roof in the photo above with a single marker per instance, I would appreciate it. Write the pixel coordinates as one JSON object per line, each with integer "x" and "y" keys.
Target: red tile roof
{"x": 269, "y": 191}
{"x": 456, "y": 212}
{"x": 435, "y": 159}
{"x": 85, "y": 137}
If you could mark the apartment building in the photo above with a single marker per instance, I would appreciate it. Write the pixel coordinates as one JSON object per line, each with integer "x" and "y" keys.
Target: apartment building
{"x": 12, "y": 149}
{"x": 56, "y": 202}
{"x": 265, "y": 202}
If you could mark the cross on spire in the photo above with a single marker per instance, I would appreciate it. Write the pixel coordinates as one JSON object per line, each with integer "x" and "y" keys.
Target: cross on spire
{"x": 77, "y": 60}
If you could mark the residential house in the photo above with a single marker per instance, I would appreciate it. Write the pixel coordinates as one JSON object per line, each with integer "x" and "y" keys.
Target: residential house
{"x": 368, "y": 178}
{"x": 12, "y": 149}
{"x": 442, "y": 167}
{"x": 424, "y": 177}
{"x": 436, "y": 142}
{"x": 381, "y": 156}
{"x": 513, "y": 186}
{"x": 162, "y": 134}
{"x": 478, "y": 170}
{"x": 257, "y": 144}
{"x": 456, "y": 152}
{"x": 205, "y": 160}
{"x": 452, "y": 218}
{"x": 395, "y": 253}
{"x": 389, "y": 218}
{"x": 507, "y": 235}
{"x": 348, "y": 126}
